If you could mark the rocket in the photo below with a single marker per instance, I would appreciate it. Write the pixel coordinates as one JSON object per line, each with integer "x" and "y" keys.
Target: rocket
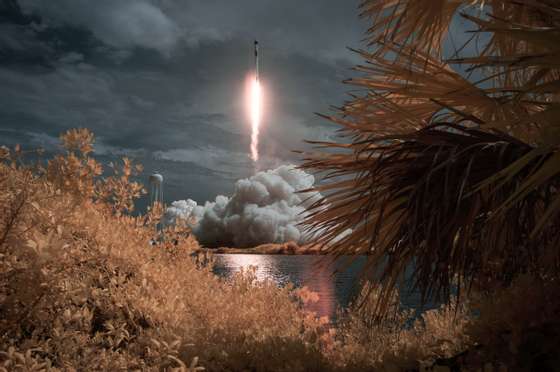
{"x": 256, "y": 60}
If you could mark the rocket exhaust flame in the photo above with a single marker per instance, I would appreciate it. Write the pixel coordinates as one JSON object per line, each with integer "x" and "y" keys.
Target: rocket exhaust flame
{"x": 255, "y": 107}
{"x": 255, "y": 118}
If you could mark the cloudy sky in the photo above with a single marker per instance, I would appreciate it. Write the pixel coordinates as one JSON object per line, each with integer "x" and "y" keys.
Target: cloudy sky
{"x": 163, "y": 81}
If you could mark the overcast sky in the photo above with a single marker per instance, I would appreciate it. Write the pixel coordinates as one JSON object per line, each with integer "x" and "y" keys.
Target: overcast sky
{"x": 162, "y": 81}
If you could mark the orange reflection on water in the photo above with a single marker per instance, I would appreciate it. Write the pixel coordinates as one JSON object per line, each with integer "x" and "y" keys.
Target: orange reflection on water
{"x": 302, "y": 270}
{"x": 318, "y": 279}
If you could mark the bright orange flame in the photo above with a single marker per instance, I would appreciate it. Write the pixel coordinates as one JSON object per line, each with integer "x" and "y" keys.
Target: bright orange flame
{"x": 256, "y": 107}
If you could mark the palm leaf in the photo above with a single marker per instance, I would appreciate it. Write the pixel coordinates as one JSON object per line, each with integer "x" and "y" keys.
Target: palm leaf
{"x": 455, "y": 177}
{"x": 433, "y": 216}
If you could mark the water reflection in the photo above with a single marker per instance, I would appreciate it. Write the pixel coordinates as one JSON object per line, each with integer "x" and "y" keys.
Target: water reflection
{"x": 315, "y": 272}
{"x": 229, "y": 264}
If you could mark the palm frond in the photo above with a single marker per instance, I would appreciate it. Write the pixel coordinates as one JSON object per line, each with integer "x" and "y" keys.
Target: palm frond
{"x": 415, "y": 201}
{"x": 422, "y": 23}
{"x": 459, "y": 179}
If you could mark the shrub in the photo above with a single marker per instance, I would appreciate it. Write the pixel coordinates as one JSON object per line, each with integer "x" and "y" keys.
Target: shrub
{"x": 398, "y": 342}
{"x": 82, "y": 288}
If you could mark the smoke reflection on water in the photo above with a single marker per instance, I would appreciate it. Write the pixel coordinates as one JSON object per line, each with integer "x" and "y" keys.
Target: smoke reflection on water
{"x": 315, "y": 272}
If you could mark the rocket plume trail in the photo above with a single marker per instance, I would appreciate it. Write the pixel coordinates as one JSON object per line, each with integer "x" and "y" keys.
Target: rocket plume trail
{"x": 255, "y": 107}
{"x": 256, "y": 101}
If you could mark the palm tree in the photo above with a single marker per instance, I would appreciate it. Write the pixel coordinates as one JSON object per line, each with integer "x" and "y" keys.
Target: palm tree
{"x": 449, "y": 162}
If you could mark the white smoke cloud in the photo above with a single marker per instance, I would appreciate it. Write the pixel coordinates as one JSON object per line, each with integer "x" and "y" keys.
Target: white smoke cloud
{"x": 265, "y": 208}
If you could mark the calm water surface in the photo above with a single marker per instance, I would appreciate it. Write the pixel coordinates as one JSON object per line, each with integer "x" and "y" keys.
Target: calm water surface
{"x": 315, "y": 272}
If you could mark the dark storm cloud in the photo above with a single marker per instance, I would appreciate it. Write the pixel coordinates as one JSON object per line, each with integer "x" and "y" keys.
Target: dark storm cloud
{"x": 122, "y": 24}
{"x": 316, "y": 28}
{"x": 163, "y": 81}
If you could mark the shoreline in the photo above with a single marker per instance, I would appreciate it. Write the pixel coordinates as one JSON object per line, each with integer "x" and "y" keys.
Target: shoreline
{"x": 289, "y": 249}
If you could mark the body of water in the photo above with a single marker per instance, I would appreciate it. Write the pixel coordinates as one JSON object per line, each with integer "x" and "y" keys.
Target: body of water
{"x": 314, "y": 272}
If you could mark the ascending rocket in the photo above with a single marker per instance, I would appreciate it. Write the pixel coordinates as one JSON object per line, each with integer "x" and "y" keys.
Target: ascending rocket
{"x": 256, "y": 60}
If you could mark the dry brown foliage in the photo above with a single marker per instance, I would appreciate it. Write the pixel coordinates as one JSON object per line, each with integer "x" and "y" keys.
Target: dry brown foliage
{"x": 521, "y": 325}
{"x": 82, "y": 288}
{"x": 400, "y": 342}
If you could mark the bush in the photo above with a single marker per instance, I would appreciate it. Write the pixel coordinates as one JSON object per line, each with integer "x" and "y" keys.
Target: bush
{"x": 81, "y": 287}
{"x": 398, "y": 342}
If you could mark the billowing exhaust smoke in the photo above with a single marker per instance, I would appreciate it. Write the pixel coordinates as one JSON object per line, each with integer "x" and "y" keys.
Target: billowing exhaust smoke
{"x": 264, "y": 208}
